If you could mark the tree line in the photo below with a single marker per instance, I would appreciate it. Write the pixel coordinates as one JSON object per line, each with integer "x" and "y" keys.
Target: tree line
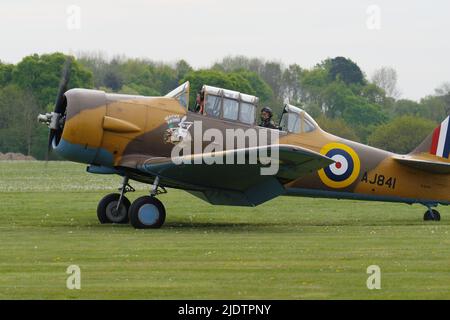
{"x": 336, "y": 92}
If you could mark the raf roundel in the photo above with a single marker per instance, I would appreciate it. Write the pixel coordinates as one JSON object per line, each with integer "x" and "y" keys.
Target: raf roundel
{"x": 344, "y": 171}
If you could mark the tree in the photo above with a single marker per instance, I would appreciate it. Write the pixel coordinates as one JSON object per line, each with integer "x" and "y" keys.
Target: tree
{"x": 113, "y": 80}
{"x": 138, "y": 74}
{"x": 234, "y": 63}
{"x": 434, "y": 107}
{"x": 18, "y": 125}
{"x": 386, "y": 79}
{"x": 182, "y": 68}
{"x": 272, "y": 75}
{"x": 407, "y": 107}
{"x": 292, "y": 78}
{"x": 313, "y": 83}
{"x": 345, "y": 70}
{"x": 167, "y": 78}
{"x": 97, "y": 63}
{"x": 238, "y": 81}
{"x": 363, "y": 116}
{"x": 401, "y": 135}
{"x": 40, "y": 76}
{"x": 335, "y": 98}
{"x": 444, "y": 93}
{"x": 258, "y": 86}
{"x": 337, "y": 127}
{"x": 5, "y": 74}
{"x": 374, "y": 94}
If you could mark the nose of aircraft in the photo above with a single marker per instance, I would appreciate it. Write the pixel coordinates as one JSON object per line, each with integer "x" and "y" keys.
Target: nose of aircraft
{"x": 78, "y": 132}
{"x": 75, "y": 124}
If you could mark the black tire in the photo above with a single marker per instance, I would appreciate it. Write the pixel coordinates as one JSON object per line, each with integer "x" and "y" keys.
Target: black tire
{"x": 434, "y": 216}
{"x": 147, "y": 213}
{"x": 106, "y": 209}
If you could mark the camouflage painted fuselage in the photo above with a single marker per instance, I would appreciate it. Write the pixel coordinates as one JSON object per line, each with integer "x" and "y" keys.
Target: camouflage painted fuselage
{"x": 131, "y": 135}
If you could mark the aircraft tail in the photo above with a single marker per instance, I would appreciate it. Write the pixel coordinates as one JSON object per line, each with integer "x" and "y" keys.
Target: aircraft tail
{"x": 438, "y": 142}
{"x": 432, "y": 155}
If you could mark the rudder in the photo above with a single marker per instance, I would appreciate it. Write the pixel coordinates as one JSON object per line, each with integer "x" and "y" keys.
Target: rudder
{"x": 438, "y": 142}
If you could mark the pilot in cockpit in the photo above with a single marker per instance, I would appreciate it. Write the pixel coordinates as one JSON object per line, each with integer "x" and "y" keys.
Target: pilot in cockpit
{"x": 266, "y": 119}
{"x": 200, "y": 102}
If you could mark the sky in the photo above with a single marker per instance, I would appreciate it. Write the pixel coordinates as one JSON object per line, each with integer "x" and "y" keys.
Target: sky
{"x": 410, "y": 36}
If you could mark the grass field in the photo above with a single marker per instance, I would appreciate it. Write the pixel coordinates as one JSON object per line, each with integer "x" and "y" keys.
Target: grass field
{"x": 293, "y": 248}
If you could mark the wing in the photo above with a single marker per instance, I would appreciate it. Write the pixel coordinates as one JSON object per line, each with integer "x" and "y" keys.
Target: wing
{"x": 212, "y": 177}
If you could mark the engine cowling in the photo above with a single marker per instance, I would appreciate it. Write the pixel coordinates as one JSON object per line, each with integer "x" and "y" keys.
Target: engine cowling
{"x": 79, "y": 137}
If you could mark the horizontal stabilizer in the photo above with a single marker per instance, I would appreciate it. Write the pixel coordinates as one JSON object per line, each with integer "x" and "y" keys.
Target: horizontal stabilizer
{"x": 432, "y": 166}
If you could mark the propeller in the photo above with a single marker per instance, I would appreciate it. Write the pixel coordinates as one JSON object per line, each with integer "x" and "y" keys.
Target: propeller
{"x": 55, "y": 120}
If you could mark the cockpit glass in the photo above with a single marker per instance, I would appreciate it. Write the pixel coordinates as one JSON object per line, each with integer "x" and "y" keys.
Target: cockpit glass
{"x": 294, "y": 122}
{"x": 229, "y": 105}
{"x": 307, "y": 125}
{"x": 183, "y": 100}
{"x": 230, "y": 109}
{"x": 212, "y": 105}
{"x": 247, "y": 113}
{"x": 181, "y": 93}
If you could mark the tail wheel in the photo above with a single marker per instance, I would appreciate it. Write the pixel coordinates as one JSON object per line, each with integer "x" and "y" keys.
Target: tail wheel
{"x": 147, "y": 212}
{"x": 107, "y": 211}
{"x": 432, "y": 215}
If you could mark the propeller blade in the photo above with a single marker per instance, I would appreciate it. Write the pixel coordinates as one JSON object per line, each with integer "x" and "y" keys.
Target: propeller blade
{"x": 59, "y": 104}
{"x": 63, "y": 84}
{"x": 49, "y": 145}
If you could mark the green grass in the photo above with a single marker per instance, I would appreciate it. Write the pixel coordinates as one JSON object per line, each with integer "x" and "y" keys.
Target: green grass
{"x": 293, "y": 248}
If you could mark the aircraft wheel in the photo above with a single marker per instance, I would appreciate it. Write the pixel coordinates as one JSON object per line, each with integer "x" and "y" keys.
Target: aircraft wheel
{"x": 147, "y": 212}
{"x": 432, "y": 216}
{"x": 107, "y": 209}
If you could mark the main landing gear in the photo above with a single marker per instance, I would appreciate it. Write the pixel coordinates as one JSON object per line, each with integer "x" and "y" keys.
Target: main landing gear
{"x": 113, "y": 208}
{"x": 146, "y": 212}
{"x": 431, "y": 214}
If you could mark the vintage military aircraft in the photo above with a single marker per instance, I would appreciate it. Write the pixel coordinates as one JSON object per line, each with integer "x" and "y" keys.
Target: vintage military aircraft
{"x": 134, "y": 137}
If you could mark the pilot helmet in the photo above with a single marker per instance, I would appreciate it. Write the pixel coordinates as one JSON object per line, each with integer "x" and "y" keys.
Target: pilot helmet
{"x": 268, "y": 110}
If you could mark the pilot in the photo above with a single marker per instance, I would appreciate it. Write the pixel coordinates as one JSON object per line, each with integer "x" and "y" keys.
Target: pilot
{"x": 266, "y": 119}
{"x": 200, "y": 102}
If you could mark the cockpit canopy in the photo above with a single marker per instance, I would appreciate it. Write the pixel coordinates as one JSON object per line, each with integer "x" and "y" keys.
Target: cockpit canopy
{"x": 239, "y": 107}
{"x": 181, "y": 93}
{"x": 230, "y": 105}
{"x": 221, "y": 103}
{"x": 296, "y": 120}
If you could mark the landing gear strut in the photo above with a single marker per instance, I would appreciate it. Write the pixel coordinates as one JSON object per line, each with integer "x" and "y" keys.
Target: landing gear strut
{"x": 114, "y": 207}
{"x": 148, "y": 212}
{"x": 431, "y": 214}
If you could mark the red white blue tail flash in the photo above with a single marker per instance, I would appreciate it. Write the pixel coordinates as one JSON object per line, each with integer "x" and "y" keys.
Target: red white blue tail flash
{"x": 440, "y": 145}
